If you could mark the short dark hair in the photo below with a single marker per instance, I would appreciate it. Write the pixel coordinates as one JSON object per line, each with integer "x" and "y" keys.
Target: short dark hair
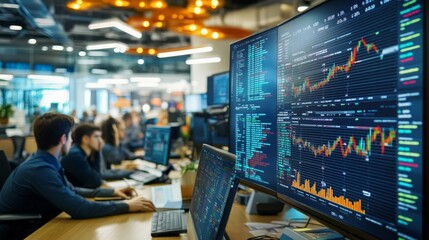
{"x": 107, "y": 131}
{"x": 49, "y": 127}
{"x": 127, "y": 116}
{"x": 84, "y": 129}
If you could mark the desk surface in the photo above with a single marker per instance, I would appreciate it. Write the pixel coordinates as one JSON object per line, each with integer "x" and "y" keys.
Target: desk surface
{"x": 133, "y": 226}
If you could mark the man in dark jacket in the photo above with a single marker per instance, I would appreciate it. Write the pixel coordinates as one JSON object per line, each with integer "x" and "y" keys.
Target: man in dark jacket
{"x": 39, "y": 186}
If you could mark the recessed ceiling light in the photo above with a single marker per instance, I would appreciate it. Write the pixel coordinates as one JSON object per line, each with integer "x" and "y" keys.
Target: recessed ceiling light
{"x": 32, "y": 41}
{"x": 45, "y": 48}
{"x": 140, "y": 61}
{"x": 82, "y": 53}
{"x": 15, "y": 27}
{"x": 69, "y": 49}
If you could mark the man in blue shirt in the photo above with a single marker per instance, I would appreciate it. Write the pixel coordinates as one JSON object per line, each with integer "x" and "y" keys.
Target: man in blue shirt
{"x": 82, "y": 163}
{"x": 38, "y": 185}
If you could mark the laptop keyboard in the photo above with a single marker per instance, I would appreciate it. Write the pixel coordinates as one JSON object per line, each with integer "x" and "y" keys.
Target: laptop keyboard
{"x": 168, "y": 223}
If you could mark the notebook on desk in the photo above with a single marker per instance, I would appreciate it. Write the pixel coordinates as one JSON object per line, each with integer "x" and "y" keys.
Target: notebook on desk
{"x": 168, "y": 197}
{"x": 214, "y": 193}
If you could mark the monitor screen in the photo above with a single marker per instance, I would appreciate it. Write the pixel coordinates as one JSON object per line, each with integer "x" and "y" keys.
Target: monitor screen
{"x": 214, "y": 193}
{"x": 350, "y": 104}
{"x": 195, "y": 102}
{"x": 218, "y": 89}
{"x": 253, "y": 127}
{"x": 157, "y": 144}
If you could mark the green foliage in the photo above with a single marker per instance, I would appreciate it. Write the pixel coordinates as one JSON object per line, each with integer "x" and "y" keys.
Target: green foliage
{"x": 6, "y": 111}
{"x": 191, "y": 167}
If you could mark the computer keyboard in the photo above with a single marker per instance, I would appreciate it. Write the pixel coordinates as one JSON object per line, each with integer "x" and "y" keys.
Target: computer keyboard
{"x": 143, "y": 177}
{"x": 168, "y": 223}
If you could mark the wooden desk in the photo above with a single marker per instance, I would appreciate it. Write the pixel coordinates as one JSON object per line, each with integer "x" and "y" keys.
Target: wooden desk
{"x": 133, "y": 226}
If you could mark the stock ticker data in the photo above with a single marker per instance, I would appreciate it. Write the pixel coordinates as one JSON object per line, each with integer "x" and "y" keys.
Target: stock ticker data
{"x": 253, "y": 104}
{"x": 215, "y": 188}
{"x": 349, "y": 113}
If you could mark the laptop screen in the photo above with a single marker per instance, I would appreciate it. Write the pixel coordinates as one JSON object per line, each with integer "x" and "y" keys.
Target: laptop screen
{"x": 214, "y": 193}
{"x": 157, "y": 144}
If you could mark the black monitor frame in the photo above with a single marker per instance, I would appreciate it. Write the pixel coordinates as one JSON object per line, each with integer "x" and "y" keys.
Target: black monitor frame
{"x": 230, "y": 198}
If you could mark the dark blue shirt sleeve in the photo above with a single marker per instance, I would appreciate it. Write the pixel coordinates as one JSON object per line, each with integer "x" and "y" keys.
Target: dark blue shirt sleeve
{"x": 78, "y": 168}
{"x": 49, "y": 184}
{"x": 112, "y": 154}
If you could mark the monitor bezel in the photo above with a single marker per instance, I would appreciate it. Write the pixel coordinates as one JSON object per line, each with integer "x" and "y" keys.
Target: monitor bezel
{"x": 230, "y": 200}
{"x": 243, "y": 181}
{"x": 210, "y": 85}
{"x": 148, "y": 127}
{"x": 346, "y": 229}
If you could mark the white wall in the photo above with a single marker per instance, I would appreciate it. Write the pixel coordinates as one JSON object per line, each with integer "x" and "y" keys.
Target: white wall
{"x": 200, "y": 72}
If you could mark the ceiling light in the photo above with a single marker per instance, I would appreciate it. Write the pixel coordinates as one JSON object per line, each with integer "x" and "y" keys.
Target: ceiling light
{"x": 98, "y": 71}
{"x": 4, "y": 83}
{"x": 140, "y": 61}
{"x": 215, "y": 35}
{"x": 139, "y": 50}
{"x": 204, "y": 31}
{"x": 95, "y": 85}
{"x": 7, "y": 77}
{"x": 32, "y": 41}
{"x": 151, "y": 51}
{"x": 113, "y": 81}
{"x": 47, "y": 77}
{"x": 57, "y": 48}
{"x": 44, "y": 22}
{"x": 98, "y": 54}
{"x": 45, "y": 48}
{"x": 147, "y": 84}
{"x": 117, "y": 24}
{"x": 9, "y": 5}
{"x": 203, "y": 60}
{"x": 145, "y": 79}
{"x": 303, "y": 5}
{"x": 185, "y": 52}
{"x": 82, "y": 53}
{"x": 107, "y": 45}
{"x": 88, "y": 61}
{"x": 69, "y": 49}
{"x": 15, "y": 27}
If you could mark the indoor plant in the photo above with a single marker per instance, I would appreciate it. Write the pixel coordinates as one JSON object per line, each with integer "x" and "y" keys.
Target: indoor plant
{"x": 189, "y": 174}
{"x": 6, "y": 111}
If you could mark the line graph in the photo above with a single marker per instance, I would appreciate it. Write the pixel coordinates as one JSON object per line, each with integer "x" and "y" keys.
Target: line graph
{"x": 308, "y": 86}
{"x": 363, "y": 147}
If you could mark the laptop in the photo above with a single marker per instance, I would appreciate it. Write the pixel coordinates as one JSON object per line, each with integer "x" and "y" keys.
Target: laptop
{"x": 168, "y": 197}
{"x": 214, "y": 192}
{"x": 157, "y": 148}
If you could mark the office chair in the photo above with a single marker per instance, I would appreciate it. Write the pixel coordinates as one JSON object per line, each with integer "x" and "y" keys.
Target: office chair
{"x": 18, "y": 148}
{"x": 5, "y": 171}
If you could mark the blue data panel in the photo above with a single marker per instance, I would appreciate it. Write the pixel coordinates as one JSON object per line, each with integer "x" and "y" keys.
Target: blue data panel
{"x": 253, "y": 108}
{"x": 349, "y": 96}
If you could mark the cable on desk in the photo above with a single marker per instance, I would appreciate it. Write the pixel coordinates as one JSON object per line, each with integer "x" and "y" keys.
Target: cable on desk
{"x": 263, "y": 237}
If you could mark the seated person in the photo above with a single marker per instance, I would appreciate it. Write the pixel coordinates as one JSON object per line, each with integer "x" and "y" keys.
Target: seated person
{"x": 133, "y": 138}
{"x": 82, "y": 163}
{"x": 38, "y": 185}
{"x": 113, "y": 151}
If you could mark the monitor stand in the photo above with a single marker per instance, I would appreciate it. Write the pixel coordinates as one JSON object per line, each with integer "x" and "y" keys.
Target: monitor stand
{"x": 263, "y": 204}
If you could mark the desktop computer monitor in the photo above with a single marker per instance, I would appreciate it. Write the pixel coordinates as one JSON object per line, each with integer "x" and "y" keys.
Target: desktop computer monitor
{"x": 351, "y": 84}
{"x": 218, "y": 89}
{"x": 157, "y": 144}
{"x": 195, "y": 102}
{"x": 214, "y": 192}
{"x": 252, "y": 119}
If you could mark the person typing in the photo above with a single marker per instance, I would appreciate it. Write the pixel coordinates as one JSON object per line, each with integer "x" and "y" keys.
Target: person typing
{"x": 39, "y": 185}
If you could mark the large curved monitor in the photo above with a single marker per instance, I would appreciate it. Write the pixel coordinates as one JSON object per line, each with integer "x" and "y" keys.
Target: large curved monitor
{"x": 253, "y": 129}
{"x": 351, "y": 86}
